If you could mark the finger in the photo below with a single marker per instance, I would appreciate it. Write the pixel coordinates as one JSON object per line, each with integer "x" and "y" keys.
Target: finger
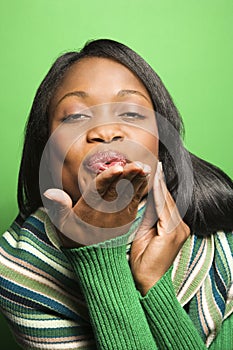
{"x": 149, "y": 219}
{"x": 169, "y": 201}
{"x": 58, "y": 196}
{"x": 116, "y": 183}
{"x": 169, "y": 217}
{"x": 133, "y": 176}
{"x": 160, "y": 194}
{"x": 105, "y": 179}
{"x": 141, "y": 242}
{"x": 129, "y": 189}
{"x": 59, "y": 209}
{"x": 130, "y": 172}
{"x": 140, "y": 185}
{"x": 96, "y": 189}
{"x": 136, "y": 177}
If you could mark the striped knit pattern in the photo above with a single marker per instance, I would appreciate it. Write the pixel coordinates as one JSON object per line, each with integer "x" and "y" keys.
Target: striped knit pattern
{"x": 39, "y": 294}
{"x": 39, "y": 291}
{"x": 203, "y": 275}
{"x": 41, "y": 298}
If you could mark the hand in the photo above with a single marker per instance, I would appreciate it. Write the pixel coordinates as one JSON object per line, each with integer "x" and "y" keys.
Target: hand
{"x": 89, "y": 221}
{"x": 155, "y": 247}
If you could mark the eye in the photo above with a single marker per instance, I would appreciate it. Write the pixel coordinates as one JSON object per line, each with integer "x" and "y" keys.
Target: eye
{"x": 132, "y": 116}
{"x": 76, "y": 117}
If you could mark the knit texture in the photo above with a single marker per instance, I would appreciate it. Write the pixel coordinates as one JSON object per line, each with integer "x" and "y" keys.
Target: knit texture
{"x": 172, "y": 327}
{"x": 117, "y": 317}
{"x": 203, "y": 275}
{"x": 39, "y": 293}
{"x": 168, "y": 320}
{"x": 86, "y": 299}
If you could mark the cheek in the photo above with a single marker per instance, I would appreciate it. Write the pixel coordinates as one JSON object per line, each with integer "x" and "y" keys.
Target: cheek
{"x": 73, "y": 160}
{"x": 64, "y": 158}
{"x": 146, "y": 136}
{"x": 150, "y": 145}
{"x": 153, "y": 145}
{"x": 70, "y": 172}
{"x": 149, "y": 141}
{"x": 75, "y": 178}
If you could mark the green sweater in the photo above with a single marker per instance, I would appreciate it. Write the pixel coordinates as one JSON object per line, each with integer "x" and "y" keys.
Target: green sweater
{"x": 86, "y": 298}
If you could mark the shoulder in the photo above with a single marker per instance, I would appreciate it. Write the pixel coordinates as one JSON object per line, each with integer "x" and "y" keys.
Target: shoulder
{"x": 30, "y": 230}
{"x": 224, "y": 243}
{"x": 26, "y": 246}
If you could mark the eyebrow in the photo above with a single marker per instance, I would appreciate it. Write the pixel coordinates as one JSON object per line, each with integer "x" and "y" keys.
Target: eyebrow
{"x": 121, "y": 93}
{"x": 81, "y": 94}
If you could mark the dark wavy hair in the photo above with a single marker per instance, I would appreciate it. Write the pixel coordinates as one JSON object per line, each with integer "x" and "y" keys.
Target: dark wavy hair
{"x": 211, "y": 206}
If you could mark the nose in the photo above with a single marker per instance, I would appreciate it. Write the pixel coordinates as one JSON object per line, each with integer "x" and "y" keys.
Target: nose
{"x": 105, "y": 133}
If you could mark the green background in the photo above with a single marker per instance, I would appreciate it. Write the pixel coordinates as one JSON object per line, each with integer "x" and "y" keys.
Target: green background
{"x": 189, "y": 43}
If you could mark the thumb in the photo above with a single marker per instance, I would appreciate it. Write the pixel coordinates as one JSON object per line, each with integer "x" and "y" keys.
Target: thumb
{"x": 58, "y": 196}
{"x": 58, "y": 205}
{"x": 153, "y": 207}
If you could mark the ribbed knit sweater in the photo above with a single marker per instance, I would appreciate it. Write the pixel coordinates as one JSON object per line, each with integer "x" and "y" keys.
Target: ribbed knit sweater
{"x": 85, "y": 298}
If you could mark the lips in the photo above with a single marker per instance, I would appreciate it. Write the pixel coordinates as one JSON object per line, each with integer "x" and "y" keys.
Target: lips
{"x": 101, "y": 161}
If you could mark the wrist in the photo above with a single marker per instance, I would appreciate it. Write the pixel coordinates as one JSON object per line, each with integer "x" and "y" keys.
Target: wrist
{"x": 67, "y": 242}
{"x": 144, "y": 287}
{"x": 146, "y": 278}
{"x": 114, "y": 307}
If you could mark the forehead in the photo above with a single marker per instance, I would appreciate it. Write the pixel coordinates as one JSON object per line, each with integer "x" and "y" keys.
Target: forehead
{"x": 96, "y": 80}
{"x": 100, "y": 73}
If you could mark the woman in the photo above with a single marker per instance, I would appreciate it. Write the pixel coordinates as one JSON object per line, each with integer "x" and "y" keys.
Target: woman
{"x": 125, "y": 256}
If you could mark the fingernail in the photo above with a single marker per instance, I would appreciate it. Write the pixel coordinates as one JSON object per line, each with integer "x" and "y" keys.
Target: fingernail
{"x": 159, "y": 169}
{"x": 147, "y": 169}
{"x": 139, "y": 164}
{"x": 54, "y": 194}
{"x": 158, "y": 173}
{"x": 161, "y": 173}
{"x": 117, "y": 168}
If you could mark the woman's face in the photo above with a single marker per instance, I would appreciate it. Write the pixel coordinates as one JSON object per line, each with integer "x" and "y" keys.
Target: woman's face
{"x": 101, "y": 115}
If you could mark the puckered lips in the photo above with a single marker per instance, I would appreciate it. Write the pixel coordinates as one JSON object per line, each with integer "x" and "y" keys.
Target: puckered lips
{"x": 103, "y": 160}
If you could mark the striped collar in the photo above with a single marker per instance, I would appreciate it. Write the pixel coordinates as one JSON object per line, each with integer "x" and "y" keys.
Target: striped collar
{"x": 203, "y": 275}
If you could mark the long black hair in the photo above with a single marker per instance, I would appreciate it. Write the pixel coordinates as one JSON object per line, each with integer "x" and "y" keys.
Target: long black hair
{"x": 211, "y": 206}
